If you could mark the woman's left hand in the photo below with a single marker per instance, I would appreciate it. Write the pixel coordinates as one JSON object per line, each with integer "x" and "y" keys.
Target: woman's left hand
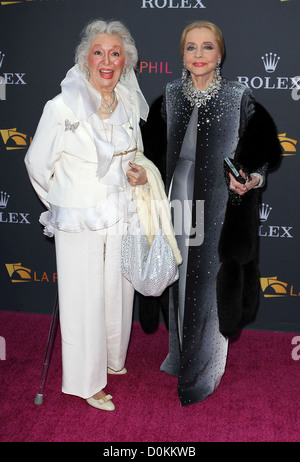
{"x": 240, "y": 188}
{"x": 136, "y": 175}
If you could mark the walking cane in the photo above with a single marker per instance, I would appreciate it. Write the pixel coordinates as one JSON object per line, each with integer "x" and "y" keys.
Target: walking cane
{"x": 48, "y": 353}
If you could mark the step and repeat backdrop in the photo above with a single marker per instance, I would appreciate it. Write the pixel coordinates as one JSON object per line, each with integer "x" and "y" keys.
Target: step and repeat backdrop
{"x": 37, "y": 43}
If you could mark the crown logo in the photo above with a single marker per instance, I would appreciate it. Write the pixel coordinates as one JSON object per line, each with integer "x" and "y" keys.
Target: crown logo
{"x": 270, "y": 61}
{"x": 264, "y": 212}
{"x": 3, "y": 199}
{"x": 2, "y": 56}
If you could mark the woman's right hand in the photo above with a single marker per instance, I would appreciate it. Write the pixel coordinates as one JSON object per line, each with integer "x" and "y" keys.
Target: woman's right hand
{"x": 241, "y": 188}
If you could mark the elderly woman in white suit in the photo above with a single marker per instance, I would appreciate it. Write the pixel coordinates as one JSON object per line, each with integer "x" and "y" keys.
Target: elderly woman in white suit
{"x": 81, "y": 165}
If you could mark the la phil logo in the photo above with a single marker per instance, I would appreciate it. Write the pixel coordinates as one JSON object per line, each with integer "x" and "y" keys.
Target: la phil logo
{"x": 19, "y": 273}
{"x": 155, "y": 67}
{"x": 273, "y": 288}
{"x": 288, "y": 145}
{"x": 13, "y": 139}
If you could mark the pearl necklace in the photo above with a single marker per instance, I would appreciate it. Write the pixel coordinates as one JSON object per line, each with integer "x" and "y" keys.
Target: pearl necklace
{"x": 200, "y": 97}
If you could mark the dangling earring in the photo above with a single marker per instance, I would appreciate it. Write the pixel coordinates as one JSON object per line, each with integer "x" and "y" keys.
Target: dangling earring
{"x": 217, "y": 75}
{"x": 184, "y": 74}
{"x": 124, "y": 73}
{"x": 87, "y": 73}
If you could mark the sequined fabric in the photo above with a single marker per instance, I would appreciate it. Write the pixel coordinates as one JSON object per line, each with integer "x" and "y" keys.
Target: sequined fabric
{"x": 150, "y": 270}
{"x": 198, "y": 142}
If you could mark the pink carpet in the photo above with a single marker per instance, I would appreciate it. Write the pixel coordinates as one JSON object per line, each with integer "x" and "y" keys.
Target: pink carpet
{"x": 257, "y": 400}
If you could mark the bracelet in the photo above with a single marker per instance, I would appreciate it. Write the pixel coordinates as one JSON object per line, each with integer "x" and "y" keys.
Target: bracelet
{"x": 261, "y": 180}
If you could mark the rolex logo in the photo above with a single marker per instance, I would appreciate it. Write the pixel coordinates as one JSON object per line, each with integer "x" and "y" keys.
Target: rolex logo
{"x": 272, "y": 231}
{"x": 9, "y": 78}
{"x": 264, "y": 212}
{"x": 4, "y": 197}
{"x": 271, "y": 82}
{"x": 270, "y": 61}
{"x": 11, "y": 217}
{"x": 2, "y": 56}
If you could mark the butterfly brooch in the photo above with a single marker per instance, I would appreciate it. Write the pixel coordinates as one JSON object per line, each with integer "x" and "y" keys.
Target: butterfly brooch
{"x": 71, "y": 127}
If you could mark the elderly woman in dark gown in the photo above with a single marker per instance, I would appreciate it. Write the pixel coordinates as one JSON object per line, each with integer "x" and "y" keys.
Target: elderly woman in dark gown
{"x": 209, "y": 118}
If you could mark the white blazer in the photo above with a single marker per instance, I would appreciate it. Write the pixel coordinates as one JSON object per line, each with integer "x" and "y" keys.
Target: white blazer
{"x": 70, "y": 153}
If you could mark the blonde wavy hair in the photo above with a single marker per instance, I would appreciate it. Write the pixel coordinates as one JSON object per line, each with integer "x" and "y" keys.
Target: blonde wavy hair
{"x": 198, "y": 25}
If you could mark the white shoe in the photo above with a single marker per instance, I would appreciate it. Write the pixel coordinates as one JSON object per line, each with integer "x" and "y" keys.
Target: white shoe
{"x": 121, "y": 372}
{"x": 105, "y": 404}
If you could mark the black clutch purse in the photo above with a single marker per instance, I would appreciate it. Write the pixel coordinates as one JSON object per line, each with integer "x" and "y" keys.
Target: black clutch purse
{"x": 233, "y": 167}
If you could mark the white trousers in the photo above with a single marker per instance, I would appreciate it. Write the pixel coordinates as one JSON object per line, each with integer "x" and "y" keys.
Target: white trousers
{"x": 95, "y": 306}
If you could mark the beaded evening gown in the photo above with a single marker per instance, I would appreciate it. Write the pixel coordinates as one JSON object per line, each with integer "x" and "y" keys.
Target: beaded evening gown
{"x": 197, "y": 349}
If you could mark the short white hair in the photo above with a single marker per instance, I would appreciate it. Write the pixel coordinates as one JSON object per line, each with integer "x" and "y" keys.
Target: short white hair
{"x": 97, "y": 27}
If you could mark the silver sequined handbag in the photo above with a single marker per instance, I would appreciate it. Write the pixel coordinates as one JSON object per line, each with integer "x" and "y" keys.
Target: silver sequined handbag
{"x": 149, "y": 269}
